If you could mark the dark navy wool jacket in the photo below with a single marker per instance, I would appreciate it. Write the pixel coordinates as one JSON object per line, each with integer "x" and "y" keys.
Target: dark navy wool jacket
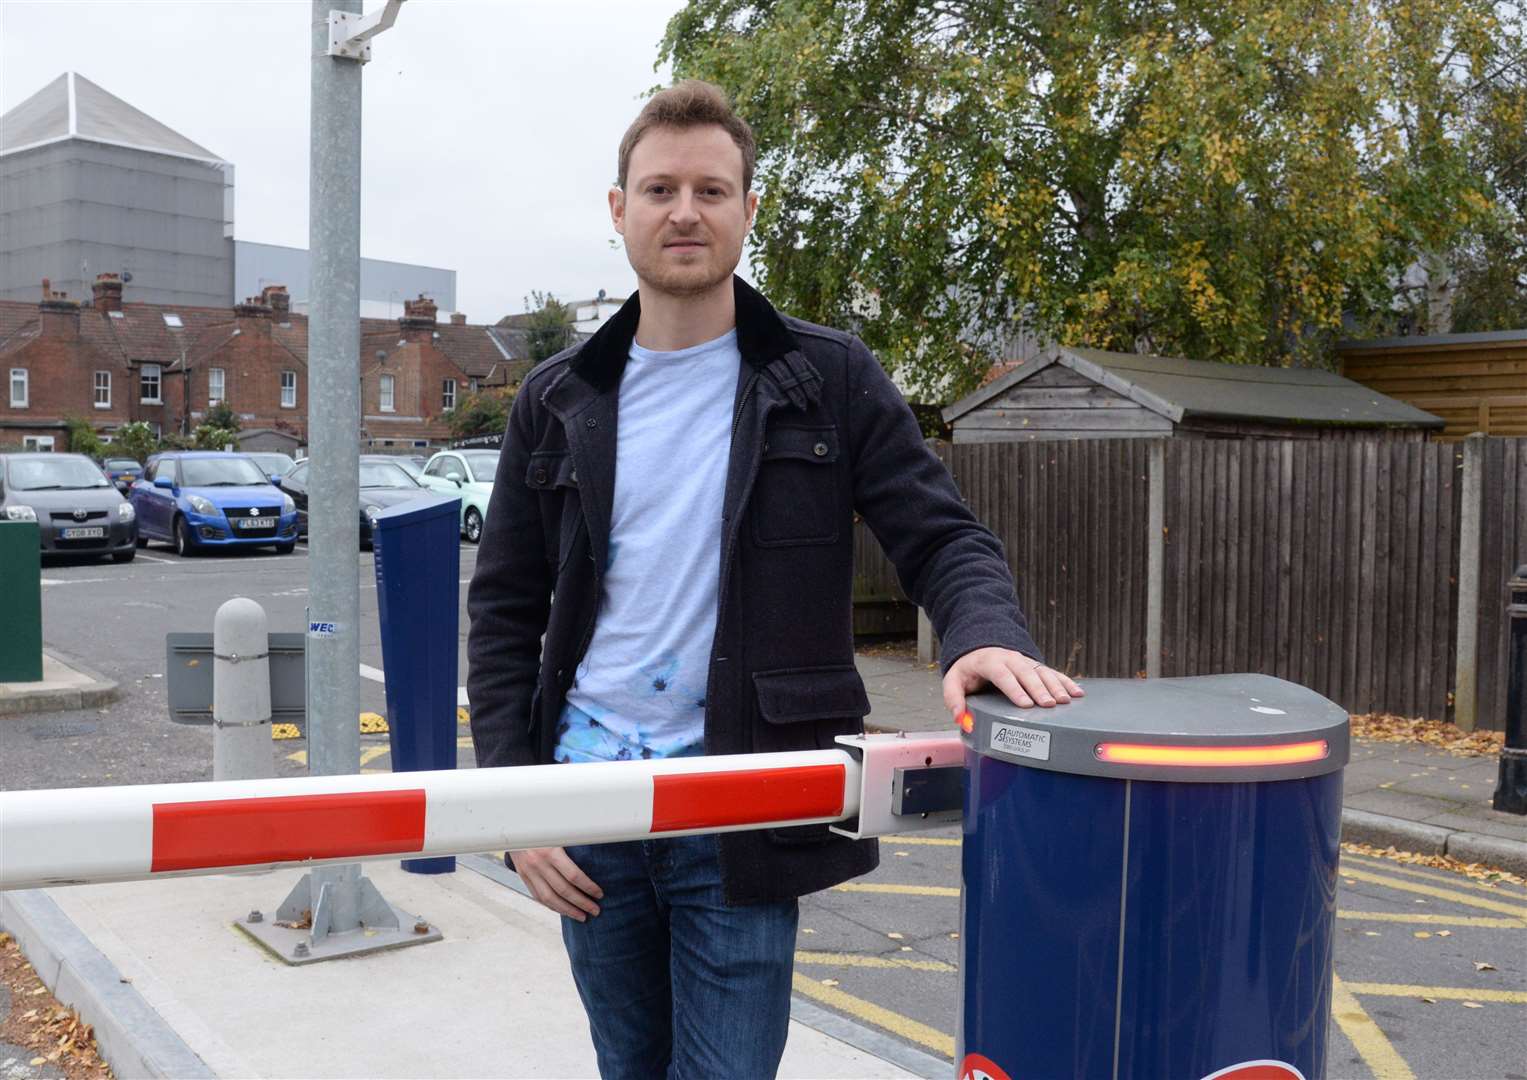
{"x": 820, "y": 432}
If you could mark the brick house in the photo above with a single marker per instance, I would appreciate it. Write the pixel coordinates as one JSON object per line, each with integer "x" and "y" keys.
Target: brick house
{"x": 112, "y": 362}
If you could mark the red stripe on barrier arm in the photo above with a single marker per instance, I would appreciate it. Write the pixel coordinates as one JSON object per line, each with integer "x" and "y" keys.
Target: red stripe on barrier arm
{"x": 746, "y": 797}
{"x": 247, "y": 832}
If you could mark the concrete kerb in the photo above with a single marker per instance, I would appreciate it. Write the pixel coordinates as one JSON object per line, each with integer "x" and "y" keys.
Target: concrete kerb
{"x": 75, "y": 687}
{"x": 1362, "y": 827}
{"x": 133, "y": 1038}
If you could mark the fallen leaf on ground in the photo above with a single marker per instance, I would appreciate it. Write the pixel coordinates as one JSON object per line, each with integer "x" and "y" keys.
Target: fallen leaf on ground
{"x": 829, "y": 982}
{"x": 1370, "y": 933}
{"x": 1472, "y": 1005}
{"x": 1444, "y": 933}
{"x": 1423, "y": 933}
{"x": 807, "y": 930}
{"x": 1429, "y": 1001}
{"x": 902, "y": 854}
{"x": 1480, "y": 872}
{"x": 1480, "y": 965}
{"x": 894, "y": 936}
{"x": 1386, "y": 727}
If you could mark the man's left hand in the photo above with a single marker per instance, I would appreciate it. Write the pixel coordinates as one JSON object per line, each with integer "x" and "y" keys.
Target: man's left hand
{"x": 1024, "y": 680}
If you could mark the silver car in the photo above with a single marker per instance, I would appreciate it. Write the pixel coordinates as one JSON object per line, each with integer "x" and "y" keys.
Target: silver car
{"x": 78, "y": 511}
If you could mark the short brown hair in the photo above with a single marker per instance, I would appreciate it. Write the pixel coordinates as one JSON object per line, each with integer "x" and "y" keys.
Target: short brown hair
{"x": 687, "y": 104}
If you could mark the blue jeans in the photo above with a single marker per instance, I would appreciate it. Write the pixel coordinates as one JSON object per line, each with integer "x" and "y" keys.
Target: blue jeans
{"x": 675, "y": 983}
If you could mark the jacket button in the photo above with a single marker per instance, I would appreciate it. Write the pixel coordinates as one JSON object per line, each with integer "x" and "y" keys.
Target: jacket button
{"x": 591, "y": 422}
{"x": 540, "y": 476}
{"x": 820, "y": 449}
{"x": 573, "y": 476}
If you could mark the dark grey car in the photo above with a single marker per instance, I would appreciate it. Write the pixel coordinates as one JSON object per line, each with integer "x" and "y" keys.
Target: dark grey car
{"x": 77, "y": 510}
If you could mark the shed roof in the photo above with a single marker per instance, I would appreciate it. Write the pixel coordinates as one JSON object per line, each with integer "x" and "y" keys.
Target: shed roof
{"x": 1180, "y": 389}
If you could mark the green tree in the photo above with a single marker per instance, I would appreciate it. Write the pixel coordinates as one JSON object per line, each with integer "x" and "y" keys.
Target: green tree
{"x": 82, "y": 437}
{"x": 222, "y": 416}
{"x": 484, "y": 413}
{"x": 1218, "y": 181}
{"x": 136, "y": 440}
{"x": 548, "y": 326}
{"x": 209, "y": 436}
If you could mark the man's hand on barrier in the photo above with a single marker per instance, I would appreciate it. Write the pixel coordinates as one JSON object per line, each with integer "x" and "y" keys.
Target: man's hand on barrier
{"x": 1024, "y": 680}
{"x": 555, "y": 880}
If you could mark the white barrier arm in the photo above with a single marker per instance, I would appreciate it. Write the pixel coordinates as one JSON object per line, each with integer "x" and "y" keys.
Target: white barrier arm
{"x": 82, "y": 835}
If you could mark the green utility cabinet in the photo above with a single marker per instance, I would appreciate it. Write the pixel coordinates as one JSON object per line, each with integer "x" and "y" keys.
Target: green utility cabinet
{"x": 21, "y": 588}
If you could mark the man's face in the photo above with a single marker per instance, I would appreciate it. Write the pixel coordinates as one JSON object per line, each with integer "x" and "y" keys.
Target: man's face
{"x": 683, "y": 214}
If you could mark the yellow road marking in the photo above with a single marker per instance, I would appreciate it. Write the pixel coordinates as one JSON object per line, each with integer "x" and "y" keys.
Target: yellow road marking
{"x": 830, "y": 959}
{"x": 1469, "y": 899}
{"x": 898, "y": 890}
{"x": 870, "y": 1013}
{"x": 1443, "y": 993}
{"x": 285, "y": 731}
{"x": 1376, "y": 1050}
{"x": 933, "y": 841}
{"x": 371, "y": 753}
{"x": 1435, "y": 876}
{"x": 462, "y": 716}
{"x": 1438, "y": 920}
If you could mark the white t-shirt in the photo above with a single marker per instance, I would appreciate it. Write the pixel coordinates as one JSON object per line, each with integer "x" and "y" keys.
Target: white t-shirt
{"x": 643, "y": 678}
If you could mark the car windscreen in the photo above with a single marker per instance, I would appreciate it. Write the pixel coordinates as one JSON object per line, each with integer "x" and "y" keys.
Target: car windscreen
{"x": 221, "y": 472}
{"x": 121, "y": 463}
{"x": 384, "y": 474}
{"x": 483, "y": 463}
{"x": 410, "y": 467}
{"x": 275, "y": 464}
{"x": 64, "y": 472}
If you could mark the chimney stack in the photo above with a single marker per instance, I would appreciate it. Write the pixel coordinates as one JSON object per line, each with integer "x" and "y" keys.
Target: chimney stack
{"x": 458, "y": 319}
{"x": 419, "y": 314}
{"x": 60, "y": 316}
{"x": 253, "y": 307}
{"x": 278, "y": 300}
{"x": 108, "y": 292}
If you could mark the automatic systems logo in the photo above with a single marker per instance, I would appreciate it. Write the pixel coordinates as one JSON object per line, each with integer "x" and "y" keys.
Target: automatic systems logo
{"x": 980, "y": 1067}
{"x": 1257, "y": 1070}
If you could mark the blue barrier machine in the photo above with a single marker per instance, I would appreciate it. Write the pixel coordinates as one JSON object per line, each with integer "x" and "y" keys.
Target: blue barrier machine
{"x": 418, "y": 572}
{"x": 1150, "y": 881}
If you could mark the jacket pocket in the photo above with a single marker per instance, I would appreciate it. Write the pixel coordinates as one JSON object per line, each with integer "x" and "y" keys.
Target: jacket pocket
{"x": 794, "y": 695}
{"x": 554, "y": 475}
{"x": 795, "y": 498}
{"x": 806, "y": 709}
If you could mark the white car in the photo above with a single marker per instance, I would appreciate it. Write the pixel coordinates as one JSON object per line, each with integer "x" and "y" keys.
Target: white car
{"x": 467, "y": 474}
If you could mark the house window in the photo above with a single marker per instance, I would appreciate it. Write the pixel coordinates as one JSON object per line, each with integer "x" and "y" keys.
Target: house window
{"x": 148, "y": 384}
{"x": 448, "y": 395}
{"x": 103, "y": 389}
{"x": 472, "y": 385}
{"x": 18, "y": 387}
{"x": 388, "y": 384}
{"x": 43, "y": 443}
{"x": 288, "y": 389}
{"x": 214, "y": 385}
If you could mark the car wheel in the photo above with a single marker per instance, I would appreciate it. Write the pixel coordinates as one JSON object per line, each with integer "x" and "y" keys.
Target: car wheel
{"x": 124, "y": 556}
{"x": 287, "y": 548}
{"x": 185, "y": 544}
{"x": 473, "y": 525}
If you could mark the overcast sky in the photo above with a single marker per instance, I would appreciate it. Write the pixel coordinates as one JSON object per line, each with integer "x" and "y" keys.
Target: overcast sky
{"x": 490, "y": 127}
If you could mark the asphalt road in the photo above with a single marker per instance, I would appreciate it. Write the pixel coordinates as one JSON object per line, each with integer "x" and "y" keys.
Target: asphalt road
{"x": 1411, "y": 999}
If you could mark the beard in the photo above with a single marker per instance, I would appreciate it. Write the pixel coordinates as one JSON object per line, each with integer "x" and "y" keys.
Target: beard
{"x": 701, "y": 275}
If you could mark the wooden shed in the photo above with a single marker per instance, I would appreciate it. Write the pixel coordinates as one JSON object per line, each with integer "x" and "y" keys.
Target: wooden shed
{"x": 1076, "y": 393}
{"x": 1475, "y": 382}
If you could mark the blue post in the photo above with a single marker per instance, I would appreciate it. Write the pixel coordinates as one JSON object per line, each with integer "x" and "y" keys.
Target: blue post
{"x": 418, "y": 570}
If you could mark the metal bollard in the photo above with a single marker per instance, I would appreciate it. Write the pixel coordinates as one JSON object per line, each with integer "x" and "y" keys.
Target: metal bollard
{"x": 241, "y": 746}
{"x": 1511, "y": 789}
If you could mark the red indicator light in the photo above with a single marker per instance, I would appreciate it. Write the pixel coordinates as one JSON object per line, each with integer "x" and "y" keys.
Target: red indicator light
{"x": 1211, "y": 756}
{"x": 967, "y": 722}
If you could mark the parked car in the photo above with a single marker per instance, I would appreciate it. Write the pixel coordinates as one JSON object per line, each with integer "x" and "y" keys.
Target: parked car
{"x": 383, "y": 484}
{"x": 272, "y": 463}
{"x": 121, "y": 471}
{"x": 411, "y": 465}
{"x": 469, "y": 474}
{"x": 202, "y": 499}
{"x": 77, "y": 510}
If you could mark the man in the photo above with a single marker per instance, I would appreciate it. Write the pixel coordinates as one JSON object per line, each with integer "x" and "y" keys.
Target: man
{"x": 673, "y": 510}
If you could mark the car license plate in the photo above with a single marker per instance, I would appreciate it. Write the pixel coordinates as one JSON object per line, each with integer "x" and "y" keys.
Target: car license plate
{"x": 257, "y": 523}
{"x": 89, "y": 533}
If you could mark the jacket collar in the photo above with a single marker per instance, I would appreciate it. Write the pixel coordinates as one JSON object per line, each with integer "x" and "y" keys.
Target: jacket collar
{"x": 762, "y": 338}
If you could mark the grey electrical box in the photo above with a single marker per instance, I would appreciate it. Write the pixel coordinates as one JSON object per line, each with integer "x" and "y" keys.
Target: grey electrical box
{"x": 188, "y": 675}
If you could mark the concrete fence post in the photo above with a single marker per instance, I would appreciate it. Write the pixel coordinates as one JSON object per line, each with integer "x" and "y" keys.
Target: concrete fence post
{"x": 1470, "y": 531}
{"x": 241, "y": 746}
{"x": 1155, "y": 556}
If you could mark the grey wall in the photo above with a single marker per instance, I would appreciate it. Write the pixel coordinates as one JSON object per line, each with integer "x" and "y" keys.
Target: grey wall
{"x": 384, "y": 284}
{"x": 165, "y": 219}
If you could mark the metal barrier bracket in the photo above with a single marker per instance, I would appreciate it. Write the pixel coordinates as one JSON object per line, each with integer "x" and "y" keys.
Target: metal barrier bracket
{"x": 904, "y": 785}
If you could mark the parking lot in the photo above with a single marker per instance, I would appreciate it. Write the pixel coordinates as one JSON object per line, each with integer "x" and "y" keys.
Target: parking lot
{"x": 1432, "y": 972}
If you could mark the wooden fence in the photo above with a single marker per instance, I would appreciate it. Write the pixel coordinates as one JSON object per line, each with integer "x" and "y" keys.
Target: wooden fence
{"x": 1331, "y": 564}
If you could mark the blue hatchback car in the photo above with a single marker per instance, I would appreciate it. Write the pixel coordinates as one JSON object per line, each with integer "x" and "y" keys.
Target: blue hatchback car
{"x": 203, "y": 499}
